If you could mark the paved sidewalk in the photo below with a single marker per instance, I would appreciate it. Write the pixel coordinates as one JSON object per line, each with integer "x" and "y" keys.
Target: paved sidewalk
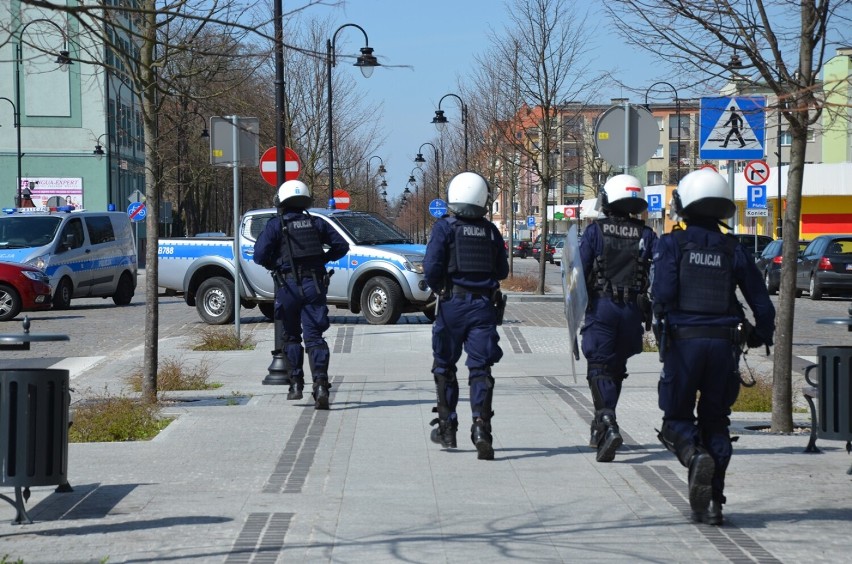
{"x": 243, "y": 475}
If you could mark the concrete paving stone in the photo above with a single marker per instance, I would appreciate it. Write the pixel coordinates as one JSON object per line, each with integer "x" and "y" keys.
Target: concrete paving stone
{"x": 367, "y": 484}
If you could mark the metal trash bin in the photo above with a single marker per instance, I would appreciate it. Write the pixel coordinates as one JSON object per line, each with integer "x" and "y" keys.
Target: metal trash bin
{"x": 34, "y": 427}
{"x": 34, "y": 406}
{"x": 835, "y": 393}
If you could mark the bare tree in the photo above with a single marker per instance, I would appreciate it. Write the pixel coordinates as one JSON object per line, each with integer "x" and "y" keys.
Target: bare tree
{"x": 545, "y": 48}
{"x": 143, "y": 36}
{"x": 763, "y": 46}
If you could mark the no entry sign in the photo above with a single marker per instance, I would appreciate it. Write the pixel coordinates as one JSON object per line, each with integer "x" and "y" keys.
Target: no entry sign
{"x": 341, "y": 200}
{"x": 756, "y": 172}
{"x": 269, "y": 165}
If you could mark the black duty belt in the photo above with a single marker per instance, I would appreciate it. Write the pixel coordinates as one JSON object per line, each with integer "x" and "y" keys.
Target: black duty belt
{"x": 625, "y": 294}
{"x": 459, "y": 291}
{"x": 705, "y": 332}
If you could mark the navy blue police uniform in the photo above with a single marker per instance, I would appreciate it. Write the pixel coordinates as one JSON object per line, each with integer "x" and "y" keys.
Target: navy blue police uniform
{"x": 697, "y": 271}
{"x": 299, "y": 261}
{"x": 465, "y": 260}
{"x": 616, "y": 254}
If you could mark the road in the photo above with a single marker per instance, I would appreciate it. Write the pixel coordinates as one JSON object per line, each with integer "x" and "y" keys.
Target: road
{"x": 97, "y": 328}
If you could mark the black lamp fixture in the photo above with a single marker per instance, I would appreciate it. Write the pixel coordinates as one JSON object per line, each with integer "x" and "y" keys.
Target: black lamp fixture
{"x": 99, "y": 150}
{"x": 440, "y": 120}
{"x": 366, "y": 62}
{"x": 419, "y": 161}
{"x": 677, "y": 113}
{"x": 63, "y": 59}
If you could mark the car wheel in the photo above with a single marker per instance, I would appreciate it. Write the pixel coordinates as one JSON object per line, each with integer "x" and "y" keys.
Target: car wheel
{"x": 215, "y": 301}
{"x": 267, "y": 309}
{"x": 381, "y": 301}
{"x": 769, "y": 287}
{"x": 62, "y": 296}
{"x": 124, "y": 291}
{"x": 814, "y": 289}
{"x": 10, "y": 303}
{"x": 429, "y": 312}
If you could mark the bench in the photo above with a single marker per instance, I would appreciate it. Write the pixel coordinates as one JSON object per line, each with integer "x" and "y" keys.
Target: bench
{"x": 810, "y": 392}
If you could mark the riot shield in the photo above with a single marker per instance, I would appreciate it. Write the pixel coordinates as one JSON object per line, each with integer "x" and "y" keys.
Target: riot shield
{"x": 574, "y": 291}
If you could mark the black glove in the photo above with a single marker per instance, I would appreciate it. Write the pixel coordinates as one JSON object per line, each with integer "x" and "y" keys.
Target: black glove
{"x": 753, "y": 340}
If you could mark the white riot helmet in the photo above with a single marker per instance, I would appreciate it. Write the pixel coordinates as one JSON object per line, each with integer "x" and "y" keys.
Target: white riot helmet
{"x": 293, "y": 194}
{"x": 703, "y": 192}
{"x": 623, "y": 194}
{"x": 468, "y": 195}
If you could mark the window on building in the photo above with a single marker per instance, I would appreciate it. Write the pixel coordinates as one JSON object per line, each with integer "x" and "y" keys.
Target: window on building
{"x": 658, "y": 154}
{"x": 534, "y": 210}
{"x": 516, "y": 207}
{"x": 655, "y": 177}
{"x": 660, "y": 124}
{"x": 678, "y": 124}
{"x": 786, "y": 138}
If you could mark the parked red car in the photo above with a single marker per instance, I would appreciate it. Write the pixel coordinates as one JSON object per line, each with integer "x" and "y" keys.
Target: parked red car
{"x": 22, "y": 288}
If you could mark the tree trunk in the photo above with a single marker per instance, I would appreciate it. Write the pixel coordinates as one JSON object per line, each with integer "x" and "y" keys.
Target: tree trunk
{"x": 147, "y": 83}
{"x": 782, "y": 374}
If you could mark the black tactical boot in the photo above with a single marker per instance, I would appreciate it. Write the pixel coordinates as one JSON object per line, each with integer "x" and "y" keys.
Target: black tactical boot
{"x": 701, "y": 470}
{"x": 320, "y": 394}
{"x": 597, "y": 434}
{"x": 714, "y": 514}
{"x": 297, "y": 384}
{"x": 480, "y": 434}
{"x": 611, "y": 439}
{"x": 445, "y": 433}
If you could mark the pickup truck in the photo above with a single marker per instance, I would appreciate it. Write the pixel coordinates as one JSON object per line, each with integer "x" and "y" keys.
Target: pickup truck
{"x": 381, "y": 276}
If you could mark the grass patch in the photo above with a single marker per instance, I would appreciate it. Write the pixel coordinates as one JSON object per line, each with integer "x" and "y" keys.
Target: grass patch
{"x": 649, "y": 342}
{"x": 107, "y": 418}
{"x": 757, "y": 398}
{"x": 520, "y": 283}
{"x": 174, "y": 375}
{"x": 212, "y": 339}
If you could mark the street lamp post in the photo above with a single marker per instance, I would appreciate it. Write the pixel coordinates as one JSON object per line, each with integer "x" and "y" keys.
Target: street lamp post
{"x": 440, "y": 120}
{"x": 278, "y": 372}
{"x": 419, "y": 160}
{"x": 16, "y": 117}
{"x": 366, "y": 62}
{"x": 99, "y": 152}
{"x": 121, "y": 132}
{"x": 382, "y": 172}
{"x": 63, "y": 59}
{"x": 677, "y": 112}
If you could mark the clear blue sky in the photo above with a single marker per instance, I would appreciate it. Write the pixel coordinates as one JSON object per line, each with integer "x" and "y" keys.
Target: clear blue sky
{"x": 439, "y": 39}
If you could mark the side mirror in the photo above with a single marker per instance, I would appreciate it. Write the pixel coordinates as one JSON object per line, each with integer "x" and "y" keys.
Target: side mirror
{"x": 67, "y": 243}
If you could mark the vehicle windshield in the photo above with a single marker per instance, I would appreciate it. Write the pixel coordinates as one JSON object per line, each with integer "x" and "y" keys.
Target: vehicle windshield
{"x": 18, "y": 232}
{"x": 369, "y": 229}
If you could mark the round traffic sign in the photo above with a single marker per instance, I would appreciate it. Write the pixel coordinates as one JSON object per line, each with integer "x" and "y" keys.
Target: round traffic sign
{"x": 438, "y": 208}
{"x": 269, "y": 165}
{"x": 756, "y": 172}
{"x": 640, "y": 134}
{"x": 341, "y": 200}
{"x": 136, "y": 211}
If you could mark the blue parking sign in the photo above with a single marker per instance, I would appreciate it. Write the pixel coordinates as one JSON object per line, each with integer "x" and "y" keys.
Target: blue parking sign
{"x": 756, "y": 197}
{"x": 655, "y": 202}
{"x": 531, "y": 221}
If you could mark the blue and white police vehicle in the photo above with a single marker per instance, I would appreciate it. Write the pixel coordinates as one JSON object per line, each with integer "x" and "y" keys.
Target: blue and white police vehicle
{"x": 84, "y": 253}
{"x": 381, "y": 276}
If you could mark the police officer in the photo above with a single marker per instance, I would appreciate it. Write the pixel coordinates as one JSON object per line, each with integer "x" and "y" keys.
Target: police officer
{"x": 291, "y": 246}
{"x": 465, "y": 260}
{"x": 696, "y": 273}
{"x": 616, "y": 254}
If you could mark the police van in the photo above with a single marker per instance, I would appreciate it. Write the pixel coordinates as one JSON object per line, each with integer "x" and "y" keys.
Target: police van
{"x": 84, "y": 253}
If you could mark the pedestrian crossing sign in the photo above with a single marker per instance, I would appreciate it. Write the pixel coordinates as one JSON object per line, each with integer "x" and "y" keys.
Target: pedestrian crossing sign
{"x": 732, "y": 128}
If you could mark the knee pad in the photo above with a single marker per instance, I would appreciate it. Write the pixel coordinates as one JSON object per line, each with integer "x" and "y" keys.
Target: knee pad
{"x": 295, "y": 355}
{"x": 481, "y": 394}
{"x": 683, "y": 446}
{"x": 446, "y": 390}
{"x": 318, "y": 359}
{"x": 605, "y": 388}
